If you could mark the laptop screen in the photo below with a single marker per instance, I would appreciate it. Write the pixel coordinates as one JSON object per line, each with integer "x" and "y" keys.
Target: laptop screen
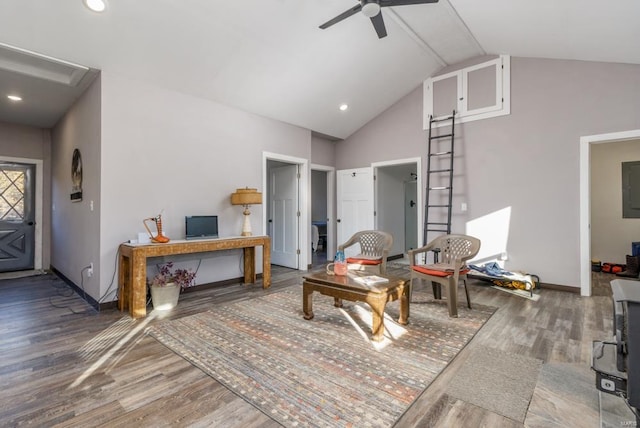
{"x": 201, "y": 226}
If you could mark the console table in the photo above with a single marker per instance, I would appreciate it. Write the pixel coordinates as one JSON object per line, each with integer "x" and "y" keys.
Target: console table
{"x": 132, "y": 265}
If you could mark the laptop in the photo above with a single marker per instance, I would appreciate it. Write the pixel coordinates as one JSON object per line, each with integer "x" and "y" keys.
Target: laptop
{"x": 201, "y": 227}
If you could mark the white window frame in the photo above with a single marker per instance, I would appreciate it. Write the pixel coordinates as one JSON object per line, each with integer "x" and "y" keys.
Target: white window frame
{"x": 502, "y": 104}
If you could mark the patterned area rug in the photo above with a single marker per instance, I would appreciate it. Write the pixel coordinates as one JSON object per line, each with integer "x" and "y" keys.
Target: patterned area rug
{"x": 323, "y": 372}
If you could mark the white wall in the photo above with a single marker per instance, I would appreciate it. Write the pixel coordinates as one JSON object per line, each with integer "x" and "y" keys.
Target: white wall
{"x": 182, "y": 155}
{"x": 526, "y": 163}
{"x": 611, "y": 235}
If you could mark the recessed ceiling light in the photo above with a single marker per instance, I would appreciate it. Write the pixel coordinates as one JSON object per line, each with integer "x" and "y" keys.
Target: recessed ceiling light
{"x": 96, "y": 5}
{"x": 343, "y": 107}
{"x": 14, "y": 98}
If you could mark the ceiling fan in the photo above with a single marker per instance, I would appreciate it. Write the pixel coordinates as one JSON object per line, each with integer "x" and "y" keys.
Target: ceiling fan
{"x": 371, "y": 9}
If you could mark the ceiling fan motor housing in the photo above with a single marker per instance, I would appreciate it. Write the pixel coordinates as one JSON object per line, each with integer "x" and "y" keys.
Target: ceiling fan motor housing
{"x": 370, "y": 8}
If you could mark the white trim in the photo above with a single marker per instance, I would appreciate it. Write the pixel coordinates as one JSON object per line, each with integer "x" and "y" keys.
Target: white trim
{"x": 418, "y": 162}
{"x": 304, "y": 259}
{"x": 585, "y": 199}
{"x": 39, "y": 197}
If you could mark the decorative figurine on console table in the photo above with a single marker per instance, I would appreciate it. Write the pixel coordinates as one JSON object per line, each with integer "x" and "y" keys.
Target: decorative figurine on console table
{"x": 159, "y": 238}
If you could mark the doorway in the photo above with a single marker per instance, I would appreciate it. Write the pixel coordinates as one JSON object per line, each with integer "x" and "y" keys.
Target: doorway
{"x": 285, "y": 219}
{"x": 398, "y": 203}
{"x": 585, "y": 199}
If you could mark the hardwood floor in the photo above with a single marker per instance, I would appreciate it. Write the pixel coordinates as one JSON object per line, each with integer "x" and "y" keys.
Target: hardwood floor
{"x": 64, "y": 364}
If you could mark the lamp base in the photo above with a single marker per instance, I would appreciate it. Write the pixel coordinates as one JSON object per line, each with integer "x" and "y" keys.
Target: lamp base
{"x": 246, "y": 225}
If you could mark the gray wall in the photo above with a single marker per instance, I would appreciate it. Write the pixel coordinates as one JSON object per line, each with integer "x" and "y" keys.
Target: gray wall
{"x": 611, "y": 235}
{"x": 525, "y": 163}
{"x": 182, "y": 155}
{"x": 26, "y": 142}
{"x": 318, "y": 195}
{"x": 75, "y": 235}
{"x": 323, "y": 151}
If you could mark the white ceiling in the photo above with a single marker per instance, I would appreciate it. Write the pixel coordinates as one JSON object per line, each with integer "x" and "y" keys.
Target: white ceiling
{"x": 268, "y": 56}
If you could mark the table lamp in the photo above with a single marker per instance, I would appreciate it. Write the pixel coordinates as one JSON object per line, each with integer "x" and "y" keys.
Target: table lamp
{"x": 246, "y": 197}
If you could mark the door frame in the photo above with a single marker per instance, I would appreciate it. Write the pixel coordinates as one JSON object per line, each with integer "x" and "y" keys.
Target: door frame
{"x": 419, "y": 200}
{"x": 39, "y": 189}
{"x": 585, "y": 198}
{"x": 331, "y": 207}
{"x": 304, "y": 202}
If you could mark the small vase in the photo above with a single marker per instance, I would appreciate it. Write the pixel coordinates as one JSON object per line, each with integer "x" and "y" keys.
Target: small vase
{"x": 165, "y": 297}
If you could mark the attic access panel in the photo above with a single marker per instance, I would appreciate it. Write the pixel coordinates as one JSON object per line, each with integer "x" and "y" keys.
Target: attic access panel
{"x": 631, "y": 189}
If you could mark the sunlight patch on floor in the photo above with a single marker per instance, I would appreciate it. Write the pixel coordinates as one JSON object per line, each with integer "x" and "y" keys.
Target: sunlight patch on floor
{"x": 392, "y": 330}
{"x": 123, "y": 337}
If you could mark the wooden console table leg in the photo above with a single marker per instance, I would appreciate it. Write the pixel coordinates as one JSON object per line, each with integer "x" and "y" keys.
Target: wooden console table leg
{"x": 266, "y": 264}
{"x": 124, "y": 281}
{"x": 307, "y": 303}
{"x": 138, "y": 286}
{"x": 249, "y": 265}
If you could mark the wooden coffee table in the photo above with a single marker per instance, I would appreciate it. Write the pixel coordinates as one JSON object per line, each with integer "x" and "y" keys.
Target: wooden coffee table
{"x": 344, "y": 287}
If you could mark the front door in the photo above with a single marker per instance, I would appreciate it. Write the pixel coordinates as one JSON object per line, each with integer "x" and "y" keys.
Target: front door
{"x": 284, "y": 216}
{"x": 17, "y": 216}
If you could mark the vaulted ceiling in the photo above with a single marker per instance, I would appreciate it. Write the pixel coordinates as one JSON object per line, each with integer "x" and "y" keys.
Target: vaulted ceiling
{"x": 270, "y": 58}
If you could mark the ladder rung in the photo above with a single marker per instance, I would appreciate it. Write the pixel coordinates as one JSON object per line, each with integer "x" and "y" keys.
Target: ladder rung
{"x": 437, "y": 230}
{"x": 440, "y": 170}
{"x": 442, "y": 120}
{"x": 439, "y": 153}
{"x": 439, "y": 188}
{"x": 437, "y": 223}
{"x": 433, "y": 137}
{"x": 437, "y": 206}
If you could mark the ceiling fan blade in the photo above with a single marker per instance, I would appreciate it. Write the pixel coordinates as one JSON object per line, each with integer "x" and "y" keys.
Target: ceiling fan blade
{"x": 378, "y": 24}
{"x": 343, "y": 15}
{"x": 387, "y": 3}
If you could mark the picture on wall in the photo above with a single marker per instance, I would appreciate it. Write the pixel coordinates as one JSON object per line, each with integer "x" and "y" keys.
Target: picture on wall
{"x": 76, "y": 176}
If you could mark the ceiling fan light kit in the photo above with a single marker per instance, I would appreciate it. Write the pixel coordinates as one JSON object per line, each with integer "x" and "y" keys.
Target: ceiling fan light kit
{"x": 371, "y": 9}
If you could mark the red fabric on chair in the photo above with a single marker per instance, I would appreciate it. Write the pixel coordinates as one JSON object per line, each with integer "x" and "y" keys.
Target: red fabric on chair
{"x": 367, "y": 262}
{"x": 442, "y": 273}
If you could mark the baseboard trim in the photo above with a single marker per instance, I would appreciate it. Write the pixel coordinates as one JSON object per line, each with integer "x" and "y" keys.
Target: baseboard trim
{"x": 79, "y": 291}
{"x": 114, "y": 303}
{"x": 558, "y": 287}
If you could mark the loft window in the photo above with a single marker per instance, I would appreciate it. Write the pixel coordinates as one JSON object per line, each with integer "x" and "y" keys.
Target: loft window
{"x": 477, "y": 92}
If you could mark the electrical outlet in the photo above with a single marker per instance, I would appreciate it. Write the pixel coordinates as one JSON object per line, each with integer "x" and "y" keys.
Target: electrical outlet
{"x": 90, "y": 270}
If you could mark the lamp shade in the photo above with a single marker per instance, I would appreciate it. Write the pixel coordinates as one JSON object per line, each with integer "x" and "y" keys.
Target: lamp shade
{"x": 246, "y": 196}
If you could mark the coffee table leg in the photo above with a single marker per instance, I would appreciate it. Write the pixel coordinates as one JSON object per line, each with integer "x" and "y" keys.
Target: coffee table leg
{"x": 377, "y": 312}
{"x": 337, "y": 302}
{"x": 403, "y": 319}
{"x": 307, "y": 304}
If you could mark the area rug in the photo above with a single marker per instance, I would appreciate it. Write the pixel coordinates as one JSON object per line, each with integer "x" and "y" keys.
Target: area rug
{"x": 324, "y": 372}
{"x": 498, "y": 381}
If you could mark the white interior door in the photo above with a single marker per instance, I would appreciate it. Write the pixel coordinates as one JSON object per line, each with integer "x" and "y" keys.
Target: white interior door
{"x": 284, "y": 216}
{"x": 354, "y": 204}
